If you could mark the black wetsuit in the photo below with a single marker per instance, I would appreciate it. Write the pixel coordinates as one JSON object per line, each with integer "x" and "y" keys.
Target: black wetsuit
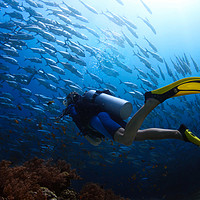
{"x": 84, "y": 110}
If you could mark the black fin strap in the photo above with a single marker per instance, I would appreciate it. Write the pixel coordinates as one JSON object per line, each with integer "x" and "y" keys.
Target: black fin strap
{"x": 182, "y": 130}
{"x": 97, "y": 93}
{"x": 162, "y": 97}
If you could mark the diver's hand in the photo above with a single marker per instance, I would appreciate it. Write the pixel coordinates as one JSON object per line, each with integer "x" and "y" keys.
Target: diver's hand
{"x": 95, "y": 141}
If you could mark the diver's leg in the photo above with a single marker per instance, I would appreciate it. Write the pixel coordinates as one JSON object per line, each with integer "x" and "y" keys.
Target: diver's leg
{"x": 152, "y": 99}
{"x": 157, "y": 134}
{"x": 128, "y": 135}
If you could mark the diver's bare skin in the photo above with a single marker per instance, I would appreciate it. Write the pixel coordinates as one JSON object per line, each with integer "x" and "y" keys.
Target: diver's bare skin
{"x": 132, "y": 133}
{"x": 92, "y": 140}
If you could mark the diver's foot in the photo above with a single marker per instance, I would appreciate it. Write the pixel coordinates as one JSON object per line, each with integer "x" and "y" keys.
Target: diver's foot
{"x": 152, "y": 102}
{"x": 158, "y": 97}
{"x": 178, "y": 88}
{"x": 188, "y": 136}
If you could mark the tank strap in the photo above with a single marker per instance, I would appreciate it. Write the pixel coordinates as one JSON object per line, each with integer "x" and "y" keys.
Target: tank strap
{"x": 98, "y": 92}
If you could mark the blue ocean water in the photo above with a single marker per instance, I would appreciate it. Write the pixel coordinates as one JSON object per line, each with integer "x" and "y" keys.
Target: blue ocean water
{"x": 164, "y": 169}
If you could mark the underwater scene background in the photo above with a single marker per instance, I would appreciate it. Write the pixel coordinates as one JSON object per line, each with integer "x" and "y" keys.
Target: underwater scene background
{"x": 50, "y": 48}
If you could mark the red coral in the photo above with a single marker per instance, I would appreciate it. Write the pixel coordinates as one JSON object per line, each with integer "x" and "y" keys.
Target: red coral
{"x": 24, "y": 182}
{"x": 92, "y": 191}
{"x": 54, "y": 176}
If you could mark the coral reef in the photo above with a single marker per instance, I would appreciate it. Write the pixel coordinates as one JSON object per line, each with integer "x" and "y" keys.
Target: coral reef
{"x": 38, "y": 179}
{"x": 48, "y": 194}
{"x": 25, "y": 182}
{"x": 92, "y": 191}
{"x": 68, "y": 194}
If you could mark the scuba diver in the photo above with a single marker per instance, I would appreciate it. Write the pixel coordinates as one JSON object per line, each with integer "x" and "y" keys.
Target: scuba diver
{"x": 93, "y": 115}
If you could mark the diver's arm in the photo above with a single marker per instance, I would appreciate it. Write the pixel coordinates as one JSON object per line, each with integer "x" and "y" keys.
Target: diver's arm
{"x": 92, "y": 140}
{"x": 64, "y": 112}
{"x": 67, "y": 111}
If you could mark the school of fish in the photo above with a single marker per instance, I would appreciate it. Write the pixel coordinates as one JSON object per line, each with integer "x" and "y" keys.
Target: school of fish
{"x": 50, "y": 48}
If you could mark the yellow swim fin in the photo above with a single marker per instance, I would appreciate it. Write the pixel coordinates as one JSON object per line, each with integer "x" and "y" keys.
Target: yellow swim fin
{"x": 188, "y": 136}
{"x": 181, "y": 87}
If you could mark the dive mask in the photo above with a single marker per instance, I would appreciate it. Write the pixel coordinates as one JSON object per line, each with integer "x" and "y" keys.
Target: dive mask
{"x": 65, "y": 102}
{"x": 72, "y": 97}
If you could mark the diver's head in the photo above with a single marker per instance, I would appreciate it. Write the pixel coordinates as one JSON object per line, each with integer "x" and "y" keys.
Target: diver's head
{"x": 72, "y": 97}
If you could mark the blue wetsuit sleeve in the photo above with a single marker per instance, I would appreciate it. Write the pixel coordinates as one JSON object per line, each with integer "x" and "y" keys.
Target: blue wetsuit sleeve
{"x": 76, "y": 118}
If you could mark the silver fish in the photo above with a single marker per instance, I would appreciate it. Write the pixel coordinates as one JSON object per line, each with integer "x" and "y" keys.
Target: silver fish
{"x": 46, "y": 44}
{"x": 89, "y": 7}
{"x": 37, "y": 50}
{"x": 95, "y": 77}
{"x": 129, "y": 84}
{"x": 76, "y": 89}
{"x": 5, "y": 100}
{"x": 53, "y": 4}
{"x": 122, "y": 65}
{"x": 43, "y": 82}
{"x": 136, "y": 94}
{"x": 81, "y": 18}
{"x": 128, "y": 22}
{"x": 29, "y": 100}
{"x": 144, "y": 52}
{"x": 4, "y": 67}
{"x": 21, "y": 36}
{"x": 120, "y": 2}
{"x": 77, "y": 50}
{"x": 11, "y": 51}
{"x": 161, "y": 73}
{"x": 31, "y": 11}
{"x": 143, "y": 60}
{"x": 15, "y": 14}
{"x": 93, "y": 32}
{"x": 169, "y": 71}
{"x": 146, "y": 82}
{"x": 128, "y": 40}
{"x": 147, "y": 8}
{"x": 64, "y": 18}
{"x": 25, "y": 91}
{"x": 142, "y": 73}
{"x": 34, "y": 59}
{"x": 43, "y": 98}
{"x": 155, "y": 55}
{"x": 57, "y": 69}
{"x": 153, "y": 71}
{"x": 72, "y": 69}
{"x": 9, "y": 59}
{"x": 146, "y": 21}
{"x": 151, "y": 45}
{"x": 32, "y": 3}
{"x": 108, "y": 71}
{"x": 49, "y": 60}
{"x": 46, "y": 35}
{"x": 72, "y": 9}
{"x": 195, "y": 64}
{"x": 52, "y": 77}
{"x": 33, "y": 28}
{"x": 13, "y": 84}
{"x": 110, "y": 86}
{"x": 132, "y": 31}
{"x": 153, "y": 79}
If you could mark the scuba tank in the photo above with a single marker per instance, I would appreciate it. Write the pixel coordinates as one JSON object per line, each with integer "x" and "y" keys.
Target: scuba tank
{"x": 114, "y": 106}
